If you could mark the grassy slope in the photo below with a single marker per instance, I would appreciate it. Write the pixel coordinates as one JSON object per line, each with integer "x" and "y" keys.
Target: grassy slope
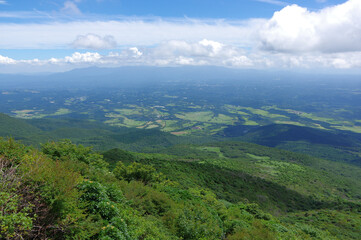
{"x": 300, "y": 188}
{"x": 308, "y": 176}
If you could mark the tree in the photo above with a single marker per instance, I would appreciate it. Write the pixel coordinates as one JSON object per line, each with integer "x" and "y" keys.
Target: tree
{"x": 137, "y": 171}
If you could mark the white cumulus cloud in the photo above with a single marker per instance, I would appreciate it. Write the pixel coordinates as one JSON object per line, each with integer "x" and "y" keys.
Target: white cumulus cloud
{"x": 135, "y": 51}
{"x": 95, "y": 42}
{"x": 6, "y": 60}
{"x": 87, "y": 57}
{"x": 296, "y": 29}
{"x": 205, "y": 50}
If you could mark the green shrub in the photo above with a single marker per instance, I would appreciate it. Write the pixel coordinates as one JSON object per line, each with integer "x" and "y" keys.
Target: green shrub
{"x": 104, "y": 201}
{"x": 114, "y": 193}
{"x": 111, "y": 232}
{"x": 12, "y": 150}
{"x": 14, "y": 222}
{"x": 65, "y": 150}
{"x": 54, "y": 180}
{"x": 92, "y": 193}
{"x": 195, "y": 221}
{"x": 137, "y": 171}
{"x": 257, "y": 231}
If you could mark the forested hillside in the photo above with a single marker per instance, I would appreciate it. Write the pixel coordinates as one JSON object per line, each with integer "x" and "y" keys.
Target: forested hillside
{"x": 90, "y": 133}
{"x": 67, "y": 191}
{"x": 333, "y": 145}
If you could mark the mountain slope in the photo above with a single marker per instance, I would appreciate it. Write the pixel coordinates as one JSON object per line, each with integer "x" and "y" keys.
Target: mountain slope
{"x": 99, "y": 135}
{"x": 70, "y": 194}
{"x": 302, "y": 173}
{"x": 332, "y": 145}
{"x": 20, "y": 129}
{"x": 291, "y": 185}
{"x": 274, "y": 134}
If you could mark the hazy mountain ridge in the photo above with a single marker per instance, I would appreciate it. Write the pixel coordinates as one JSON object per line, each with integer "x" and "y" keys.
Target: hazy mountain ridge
{"x": 121, "y": 76}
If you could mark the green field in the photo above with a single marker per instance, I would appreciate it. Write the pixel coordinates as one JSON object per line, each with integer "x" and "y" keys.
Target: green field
{"x": 196, "y": 116}
{"x": 31, "y": 114}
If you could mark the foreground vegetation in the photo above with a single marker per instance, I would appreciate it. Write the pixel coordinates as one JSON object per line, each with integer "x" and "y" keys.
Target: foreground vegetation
{"x": 67, "y": 191}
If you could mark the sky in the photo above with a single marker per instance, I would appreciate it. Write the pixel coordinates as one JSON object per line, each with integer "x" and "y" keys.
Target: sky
{"x": 58, "y": 35}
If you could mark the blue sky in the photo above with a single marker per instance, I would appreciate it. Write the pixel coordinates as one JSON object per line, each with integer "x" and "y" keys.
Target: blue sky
{"x": 230, "y": 9}
{"x": 46, "y": 35}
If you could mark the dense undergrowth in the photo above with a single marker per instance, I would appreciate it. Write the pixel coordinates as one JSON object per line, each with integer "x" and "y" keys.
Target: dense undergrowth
{"x": 67, "y": 191}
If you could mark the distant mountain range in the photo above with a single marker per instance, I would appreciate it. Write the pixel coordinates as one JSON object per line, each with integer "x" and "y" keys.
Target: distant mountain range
{"x": 139, "y": 75}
